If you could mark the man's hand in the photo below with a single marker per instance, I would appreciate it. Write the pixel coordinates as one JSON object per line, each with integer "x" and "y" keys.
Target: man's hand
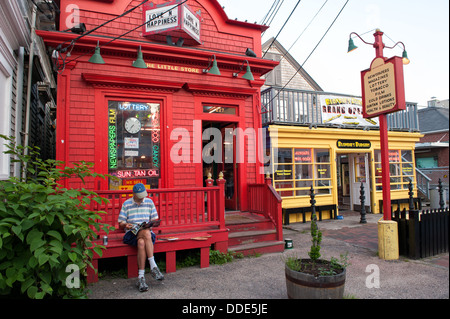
{"x": 126, "y": 226}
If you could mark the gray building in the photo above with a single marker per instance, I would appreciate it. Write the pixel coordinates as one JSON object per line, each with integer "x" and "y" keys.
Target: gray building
{"x": 27, "y": 80}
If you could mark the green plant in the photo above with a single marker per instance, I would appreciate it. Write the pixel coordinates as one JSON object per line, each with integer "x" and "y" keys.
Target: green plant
{"x": 218, "y": 258}
{"x": 316, "y": 236}
{"x": 44, "y": 228}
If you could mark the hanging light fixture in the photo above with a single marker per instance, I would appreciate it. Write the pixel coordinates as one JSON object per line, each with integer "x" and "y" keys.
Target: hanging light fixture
{"x": 97, "y": 58}
{"x": 351, "y": 46}
{"x": 214, "y": 69}
{"x": 140, "y": 63}
{"x": 406, "y": 60}
{"x": 248, "y": 75}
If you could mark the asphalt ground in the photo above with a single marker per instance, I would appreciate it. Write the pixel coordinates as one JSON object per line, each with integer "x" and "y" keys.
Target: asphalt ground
{"x": 263, "y": 278}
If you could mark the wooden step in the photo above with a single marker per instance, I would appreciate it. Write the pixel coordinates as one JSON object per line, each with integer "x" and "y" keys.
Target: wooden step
{"x": 251, "y": 236}
{"x": 258, "y": 248}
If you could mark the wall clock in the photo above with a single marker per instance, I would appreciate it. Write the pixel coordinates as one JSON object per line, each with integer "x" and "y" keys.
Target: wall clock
{"x": 132, "y": 125}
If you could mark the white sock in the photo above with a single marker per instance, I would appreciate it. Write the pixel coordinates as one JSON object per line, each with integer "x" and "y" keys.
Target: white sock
{"x": 141, "y": 273}
{"x": 152, "y": 262}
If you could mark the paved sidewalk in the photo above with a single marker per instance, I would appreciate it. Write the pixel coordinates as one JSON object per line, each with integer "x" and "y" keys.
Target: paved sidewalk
{"x": 263, "y": 277}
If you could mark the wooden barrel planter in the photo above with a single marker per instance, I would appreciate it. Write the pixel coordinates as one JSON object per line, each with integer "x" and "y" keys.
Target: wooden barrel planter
{"x": 306, "y": 286}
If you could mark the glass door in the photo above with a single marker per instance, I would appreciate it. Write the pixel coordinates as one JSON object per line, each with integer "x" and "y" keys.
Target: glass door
{"x": 360, "y": 173}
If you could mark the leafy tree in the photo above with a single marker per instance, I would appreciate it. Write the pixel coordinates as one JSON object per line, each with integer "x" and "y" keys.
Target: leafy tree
{"x": 46, "y": 231}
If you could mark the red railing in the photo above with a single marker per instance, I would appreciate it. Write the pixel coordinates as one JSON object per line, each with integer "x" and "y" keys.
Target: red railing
{"x": 264, "y": 200}
{"x": 178, "y": 209}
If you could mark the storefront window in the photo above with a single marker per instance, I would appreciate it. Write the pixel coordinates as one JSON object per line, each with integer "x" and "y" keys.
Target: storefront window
{"x": 219, "y": 109}
{"x": 134, "y": 144}
{"x": 401, "y": 169}
{"x": 300, "y": 168}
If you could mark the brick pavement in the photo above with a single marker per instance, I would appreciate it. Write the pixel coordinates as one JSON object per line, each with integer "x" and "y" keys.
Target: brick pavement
{"x": 366, "y": 235}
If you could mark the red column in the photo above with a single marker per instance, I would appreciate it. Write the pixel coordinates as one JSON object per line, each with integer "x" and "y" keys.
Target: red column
{"x": 385, "y": 178}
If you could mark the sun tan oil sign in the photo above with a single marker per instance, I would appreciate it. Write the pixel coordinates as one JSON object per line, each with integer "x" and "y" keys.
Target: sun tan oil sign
{"x": 383, "y": 87}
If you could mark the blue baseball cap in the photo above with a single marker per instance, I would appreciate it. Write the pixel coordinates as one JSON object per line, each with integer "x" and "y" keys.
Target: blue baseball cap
{"x": 140, "y": 191}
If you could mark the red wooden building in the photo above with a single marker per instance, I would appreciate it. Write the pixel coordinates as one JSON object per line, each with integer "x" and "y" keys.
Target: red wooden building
{"x": 146, "y": 123}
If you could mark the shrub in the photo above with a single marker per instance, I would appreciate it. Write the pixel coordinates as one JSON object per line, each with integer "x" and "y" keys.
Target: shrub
{"x": 46, "y": 231}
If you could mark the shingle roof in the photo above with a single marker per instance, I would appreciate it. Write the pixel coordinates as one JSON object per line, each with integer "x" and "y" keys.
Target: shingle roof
{"x": 433, "y": 119}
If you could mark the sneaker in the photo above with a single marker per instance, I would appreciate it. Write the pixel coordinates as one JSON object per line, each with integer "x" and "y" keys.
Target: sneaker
{"x": 156, "y": 273}
{"x": 142, "y": 286}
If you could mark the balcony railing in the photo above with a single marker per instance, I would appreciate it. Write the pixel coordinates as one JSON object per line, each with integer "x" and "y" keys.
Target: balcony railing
{"x": 299, "y": 107}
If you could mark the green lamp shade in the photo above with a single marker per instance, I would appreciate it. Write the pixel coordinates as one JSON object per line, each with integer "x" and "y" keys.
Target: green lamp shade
{"x": 351, "y": 46}
{"x": 405, "y": 58}
{"x": 97, "y": 58}
{"x": 214, "y": 69}
{"x": 140, "y": 63}
{"x": 248, "y": 75}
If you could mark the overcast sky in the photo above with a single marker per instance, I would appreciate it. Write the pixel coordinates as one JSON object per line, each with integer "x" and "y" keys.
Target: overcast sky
{"x": 423, "y": 26}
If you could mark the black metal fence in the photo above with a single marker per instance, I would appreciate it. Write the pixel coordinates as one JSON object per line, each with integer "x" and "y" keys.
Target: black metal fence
{"x": 422, "y": 233}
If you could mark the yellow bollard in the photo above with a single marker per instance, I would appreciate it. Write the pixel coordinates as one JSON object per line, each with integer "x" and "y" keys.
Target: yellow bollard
{"x": 388, "y": 240}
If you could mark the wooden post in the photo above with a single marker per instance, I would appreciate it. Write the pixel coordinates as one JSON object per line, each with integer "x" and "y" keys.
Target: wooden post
{"x": 210, "y": 200}
{"x": 221, "y": 200}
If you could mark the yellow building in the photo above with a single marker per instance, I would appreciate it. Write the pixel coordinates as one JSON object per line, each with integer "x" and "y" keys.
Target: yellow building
{"x": 335, "y": 162}
{"x": 321, "y": 139}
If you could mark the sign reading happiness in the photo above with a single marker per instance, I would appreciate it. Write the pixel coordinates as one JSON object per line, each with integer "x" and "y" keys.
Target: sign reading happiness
{"x": 172, "y": 19}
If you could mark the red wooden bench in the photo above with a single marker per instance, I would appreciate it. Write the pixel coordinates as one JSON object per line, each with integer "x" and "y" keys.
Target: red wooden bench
{"x": 185, "y": 224}
{"x": 168, "y": 243}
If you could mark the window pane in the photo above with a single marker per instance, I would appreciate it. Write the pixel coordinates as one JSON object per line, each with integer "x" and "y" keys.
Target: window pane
{"x": 284, "y": 155}
{"x": 394, "y": 169}
{"x": 283, "y": 172}
{"x": 304, "y": 184}
{"x": 407, "y": 156}
{"x": 134, "y": 144}
{"x": 323, "y": 171}
{"x": 303, "y": 171}
{"x": 394, "y": 156}
{"x": 322, "y": 156}
{"x": 216, "y": 109}
{"x": 279, "y": 186}
{"x": 303, "y": 155}
{"x": 407, "y": 169}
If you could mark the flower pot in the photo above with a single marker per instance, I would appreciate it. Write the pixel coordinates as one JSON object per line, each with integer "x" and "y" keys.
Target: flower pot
{"x": 302, "y": 285}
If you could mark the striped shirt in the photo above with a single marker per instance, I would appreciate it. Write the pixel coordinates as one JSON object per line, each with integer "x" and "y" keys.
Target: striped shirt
{"x": 133, "y": 213}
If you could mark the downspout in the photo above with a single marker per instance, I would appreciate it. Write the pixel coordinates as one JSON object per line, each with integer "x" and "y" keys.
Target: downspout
{"x": 29, "y": 83}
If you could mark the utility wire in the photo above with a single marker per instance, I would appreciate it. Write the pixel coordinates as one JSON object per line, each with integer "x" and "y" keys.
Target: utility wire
{"x": 295, "y": 42}
{"x": 274, "y": 14}
{"x": 263, "y": 21}
{"x": 72, "y": 42}
{"x": 292, "y": 12}
{"x": 122, "y": 35}
{"x": 301, "y": 66}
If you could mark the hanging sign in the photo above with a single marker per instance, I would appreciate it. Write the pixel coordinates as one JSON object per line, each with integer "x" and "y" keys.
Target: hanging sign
{"x": 172, "y": 19}
{"x": 383, "y": 89}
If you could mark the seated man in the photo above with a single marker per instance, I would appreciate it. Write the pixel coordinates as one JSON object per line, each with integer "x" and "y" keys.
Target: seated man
{"x": 134, "y": 212}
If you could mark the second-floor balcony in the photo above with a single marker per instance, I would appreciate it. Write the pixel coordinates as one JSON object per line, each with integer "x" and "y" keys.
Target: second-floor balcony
{"x": 323, "y": 109}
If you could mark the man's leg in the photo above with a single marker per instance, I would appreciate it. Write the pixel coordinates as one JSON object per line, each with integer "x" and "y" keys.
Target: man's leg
{"x": 141, "y": 255}
{"x": 149, "y": 249}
